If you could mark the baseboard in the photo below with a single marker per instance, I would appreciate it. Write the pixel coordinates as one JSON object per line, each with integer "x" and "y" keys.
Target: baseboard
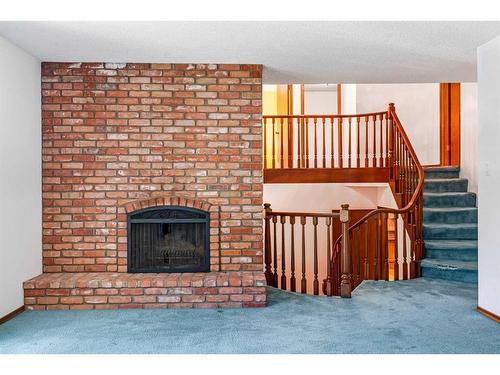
{"x": 12, "y": 314}
{"x": 489, "y": 314}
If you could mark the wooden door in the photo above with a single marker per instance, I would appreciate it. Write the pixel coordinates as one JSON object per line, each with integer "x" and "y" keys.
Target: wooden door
{"x": 450, "y": 124}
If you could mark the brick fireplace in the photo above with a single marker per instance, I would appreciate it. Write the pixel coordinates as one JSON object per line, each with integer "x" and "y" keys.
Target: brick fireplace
{"x": 120, "y": 138}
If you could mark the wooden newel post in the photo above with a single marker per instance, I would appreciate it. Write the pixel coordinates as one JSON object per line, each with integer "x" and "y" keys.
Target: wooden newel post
{"x": 345, "y": 279}
{"x": 390, "y": 141}
{"x": 267, "y": 245}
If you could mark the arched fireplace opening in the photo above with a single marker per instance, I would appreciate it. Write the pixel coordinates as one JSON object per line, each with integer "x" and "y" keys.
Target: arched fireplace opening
{"x": 168, "y": 239}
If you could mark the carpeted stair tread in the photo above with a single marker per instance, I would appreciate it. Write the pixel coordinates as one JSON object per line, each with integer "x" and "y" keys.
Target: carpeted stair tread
{"x": 450, "y": 199}
{"x": 441, "y": 172}
{"x": 442, "y": 231}
{"x": 450, "y": 215}
{"x": 442, "y": 185}
{"x": 465, "y": 250}
{"x": 447, "y": 263}
{"x": 465, "y": 271}
{"x": 450, "y": 226}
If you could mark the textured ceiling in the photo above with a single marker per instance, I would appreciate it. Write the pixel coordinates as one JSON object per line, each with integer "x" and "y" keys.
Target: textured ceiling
{"x": 291, "y": 52}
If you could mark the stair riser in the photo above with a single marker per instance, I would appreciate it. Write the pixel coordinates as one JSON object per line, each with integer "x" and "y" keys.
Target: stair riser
{"x": 447, "y": 254}
{"x": 450, "y": 217}
{"x": 445, "y": 186}
{"x": 442, "y": 174}
{"x": 468, "y": 200}
{"x": 450, "y": 233}
{"x": 466, "y": 276}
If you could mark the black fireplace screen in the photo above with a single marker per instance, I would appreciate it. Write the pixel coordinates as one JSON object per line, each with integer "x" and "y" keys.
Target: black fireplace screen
{"x": 168, "y": 239}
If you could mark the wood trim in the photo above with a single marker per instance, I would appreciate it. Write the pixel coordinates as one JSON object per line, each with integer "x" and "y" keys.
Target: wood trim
{"x": 11, "y": 315}
{"x": 289, "y": 131}
{"x": 449, "y": 114}
{"x": 339, "y": 99}
{"x": 302, "y": 100}
{"x": 488, "y": 314}
{"x": 325, "y": 175}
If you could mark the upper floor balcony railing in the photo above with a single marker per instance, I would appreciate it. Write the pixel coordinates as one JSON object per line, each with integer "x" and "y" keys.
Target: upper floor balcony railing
{"x": 326, "y": 148}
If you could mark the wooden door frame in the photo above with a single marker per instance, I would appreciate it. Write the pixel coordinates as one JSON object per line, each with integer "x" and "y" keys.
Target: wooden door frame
{"x": 449, "y": 128}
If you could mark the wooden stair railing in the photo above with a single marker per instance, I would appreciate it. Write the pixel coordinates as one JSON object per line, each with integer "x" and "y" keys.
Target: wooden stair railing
{"x": 294, "y": 243}
{"x": 386, "y": 244}
{"x": 326, "y": 148}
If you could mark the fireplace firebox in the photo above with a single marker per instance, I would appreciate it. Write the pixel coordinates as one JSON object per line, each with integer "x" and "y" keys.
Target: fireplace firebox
{"x": 168, "y": 239}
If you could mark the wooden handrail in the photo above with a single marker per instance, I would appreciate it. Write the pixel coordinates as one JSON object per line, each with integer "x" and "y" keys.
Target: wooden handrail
{"x": 403, "y": 163}
{"x": 325, "y": 116}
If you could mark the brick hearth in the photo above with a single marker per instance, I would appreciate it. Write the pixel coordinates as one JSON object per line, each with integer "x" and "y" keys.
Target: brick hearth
{"x": 106, "y": 290}
{"x": 122, "y": 137}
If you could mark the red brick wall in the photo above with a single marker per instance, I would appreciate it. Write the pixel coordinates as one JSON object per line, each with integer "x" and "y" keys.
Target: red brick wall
{"x": 120, "y": 133}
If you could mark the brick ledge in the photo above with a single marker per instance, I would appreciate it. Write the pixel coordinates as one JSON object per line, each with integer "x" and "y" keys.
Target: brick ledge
{"x": 110, "y": 290}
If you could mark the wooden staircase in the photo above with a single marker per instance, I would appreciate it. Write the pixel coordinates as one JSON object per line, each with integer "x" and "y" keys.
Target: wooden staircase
{"x": 386, "y": 243}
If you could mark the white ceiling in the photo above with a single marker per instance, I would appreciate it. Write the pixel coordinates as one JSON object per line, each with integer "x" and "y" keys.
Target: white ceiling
{"x": 291, "y": 52}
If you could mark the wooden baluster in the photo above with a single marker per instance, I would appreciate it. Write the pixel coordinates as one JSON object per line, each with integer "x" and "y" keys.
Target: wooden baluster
{"x": 315, "y": 282}
{"x": 366, "y": 142}
{"x": 345, "y": 283}
{"x": 292, "y": 253}
{"x": 315, "y": 121}
{"x": 329, "y": 286}
{"x": 281, "y": 157}
{"x": 349, "y": 150}
{"x": 385, "y": 247}
{"x": 360, "y": 255}
{"x": 273, "y": 164}
{"x": 380, "y": 159}
{"x": 390, "y": 142}
{"x": 332, "y": 161}
{"x": 357, "y": 143}
{"x": 275, "y": 251}
{"x": 299, "y": 143}
{"x": 366, "y": 270}
{"x": 301, "y": 146}
{"x": 323, "y": 120}
{"x": 303, "y": 282}
{"x": 386, "y": 153}
{"x": 307, "y": 142}
{"x": 396, "y": 248}
{"x": 339, "y": 140}
{"x": 398, "y": 158}
{"x": 404, "y": 174}
{"x": 377, "y": 247}
{"x": 290, "y": 144}
{"x": 264, "y": 131}
{"x": 405, "y": 264}
{"x": 328, "y": 245}
{"x": 374, "y": 155}
{"x": 354, "y": 259}
{"x": 267, "y": 245}
{"x": 283, "y": 254}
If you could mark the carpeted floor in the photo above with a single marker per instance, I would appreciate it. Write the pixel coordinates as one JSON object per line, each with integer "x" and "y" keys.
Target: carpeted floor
{"x": 417, "y": 316}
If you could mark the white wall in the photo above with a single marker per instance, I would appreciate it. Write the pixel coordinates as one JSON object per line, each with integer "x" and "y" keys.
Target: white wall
{"x": 322, "y": 197}
{"x": 468, "y": 134}
{"x": 20, "y": 173}
{"x": 417, "y": 106}
{"x": 320, "y": 100}
{"x": 489, "y": 175}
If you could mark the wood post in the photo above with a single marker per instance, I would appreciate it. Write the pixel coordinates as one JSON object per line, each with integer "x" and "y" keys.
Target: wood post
{"x": 267, "y": 245}
{"x": 345, "y": 281}
{"x": 390, "y": 142}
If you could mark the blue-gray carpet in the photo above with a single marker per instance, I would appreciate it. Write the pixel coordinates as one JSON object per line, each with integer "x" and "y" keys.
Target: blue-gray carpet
{"x": 416, "y": 316}
{"x": 450, "y": 226}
